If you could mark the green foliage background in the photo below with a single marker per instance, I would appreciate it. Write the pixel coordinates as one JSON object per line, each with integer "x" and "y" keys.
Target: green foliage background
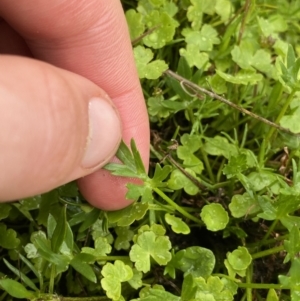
{"x": 217, "y": 216}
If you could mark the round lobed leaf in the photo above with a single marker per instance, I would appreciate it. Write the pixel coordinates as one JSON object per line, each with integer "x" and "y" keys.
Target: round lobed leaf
{"x": 197, "y": 261}
{"x": 240, "y": 258}
{"x": 177, "y": 224}
{"x": 242, "y": 205}
{"x": 215, "y": 217}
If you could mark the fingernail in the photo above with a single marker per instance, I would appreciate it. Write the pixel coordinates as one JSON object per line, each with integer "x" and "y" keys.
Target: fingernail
{"x": 104, "y": 133}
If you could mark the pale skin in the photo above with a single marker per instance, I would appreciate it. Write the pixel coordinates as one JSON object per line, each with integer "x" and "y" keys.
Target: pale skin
{"x": 56, "y": 58}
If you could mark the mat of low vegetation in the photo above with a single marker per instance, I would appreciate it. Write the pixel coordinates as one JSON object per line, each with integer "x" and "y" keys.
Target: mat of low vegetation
{"x": 217, "y": 216}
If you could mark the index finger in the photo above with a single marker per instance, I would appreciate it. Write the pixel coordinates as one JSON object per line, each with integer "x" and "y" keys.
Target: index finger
{"x": 89, "y": 38}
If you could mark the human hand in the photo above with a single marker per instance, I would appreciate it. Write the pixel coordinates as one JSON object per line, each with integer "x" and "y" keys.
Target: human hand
{"x": 75, "y": 48}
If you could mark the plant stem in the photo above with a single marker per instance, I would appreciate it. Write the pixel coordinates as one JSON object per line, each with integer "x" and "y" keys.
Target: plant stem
{"x": 197, "y": 89}
{"x": 102, "y": 298}
{"x": 112, "y": 258}
{"x": 207, "y": 165}
{"x": 52, "y": 277}
{"x": 244, "y": 19}
{"x": 268, "y": 241}
{"x": 4, "y": 295}
{"x": 152, "y": 217}
{"x": 282, "y": 112}
{"x": 262, "y": 153}
{"x": 266, "y": 286}
{"x": 267, "y": 252}
{"x": 177, "y": 207}
{"x": 271, "y": 228}
{"x": 252, "y": 285}
{"x": 51, "y": 297}
{"x": 248, "y": 281}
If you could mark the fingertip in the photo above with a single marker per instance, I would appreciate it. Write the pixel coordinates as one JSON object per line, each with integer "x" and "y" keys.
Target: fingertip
{"x": 56, "y": 126}
{"x": 104, "y": 191}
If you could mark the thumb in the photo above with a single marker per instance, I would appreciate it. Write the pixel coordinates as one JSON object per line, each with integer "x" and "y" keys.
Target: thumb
{"x": 56, "y": 126}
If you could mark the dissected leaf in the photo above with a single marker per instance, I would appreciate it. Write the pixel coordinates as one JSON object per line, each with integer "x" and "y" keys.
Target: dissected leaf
{"x": 194, "y": 57}
{"x": 124, "y": 236}
{"x": 204, "y": 39}
{"x": 236, "y": 165}
{"x": 146, "y": 68}
{"x": 219, "y": 146}
{"x": 160, "y": 174}
{"x": 178, "y": 181}
{"x": 246, "y": 57}
{"x": 195, "y": 14}
{"x": 243, "y": 77}
{"x": 136, "y": 280}
{"x": 292, "y": 280}
{"x": 224, "y": 9}
{"x": 98, "y": 230}
{"x": 102, "y": 248}
{"x": 113, "y": 275}
{"x": 155, "y": 294}
{"x": 135, "y": 23}
{"x": 149, "y": 245}
{"x": 212, "y": 289}
{"x": 164, "y": 31}
{"x": 292, "y": 244}
{"x": 8, "y": 238}
{"x": 157, "y": 108}
{"x": 4, "y": 210}
{"x": 190, "y": 144}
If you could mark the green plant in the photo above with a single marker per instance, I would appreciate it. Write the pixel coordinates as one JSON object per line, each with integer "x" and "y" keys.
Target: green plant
{"x": 217, "y": 216}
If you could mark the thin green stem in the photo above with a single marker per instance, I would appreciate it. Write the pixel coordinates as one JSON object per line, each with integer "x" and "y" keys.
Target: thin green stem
{"x": 191, "y": 115}
{"x": 177, "y": 207}
{"x": 281, "y": 114}
{"x": 173, "y": 162}
{"x": 244, "y": 138}
{"x": 51, "y": 297}
{"x": 252, "y": 285}
{"x": 155, "y": 152}
{"x": 112, "y": 258}
{"x": 52, "y": 278}
{"x": 152, "y": 217}
{"x": 266, "y": 286}
{"x": 270, "y": 230}
{"x": 220, "y": 171}
{"x": 102, "y": 298}
{"x": 267, "y": 252}
{"x": 261, "y": 155}
{"x": 248, "y": 281}
{"x": 3, "y": 296}
{"x": 268, "y": 241}
{"x": 163, "y": 207}
{"x": 207, "y": 165}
